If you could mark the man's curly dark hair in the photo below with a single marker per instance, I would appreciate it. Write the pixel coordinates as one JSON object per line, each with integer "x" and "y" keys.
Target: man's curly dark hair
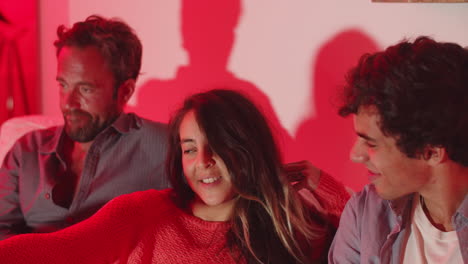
{"x": 116, "y": 41}
{"x": 420, "y": 91}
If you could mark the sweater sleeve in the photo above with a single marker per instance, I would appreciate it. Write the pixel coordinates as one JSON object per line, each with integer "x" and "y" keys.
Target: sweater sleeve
{"x": 96, "y": 240}
{"x": 329, "y": 198}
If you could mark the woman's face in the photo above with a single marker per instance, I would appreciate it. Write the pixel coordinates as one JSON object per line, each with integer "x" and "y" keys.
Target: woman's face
{"x": 205, "y": 172}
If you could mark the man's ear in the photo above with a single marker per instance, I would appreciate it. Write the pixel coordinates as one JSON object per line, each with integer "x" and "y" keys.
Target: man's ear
{"x": 125, "y": 91}
{"x": 435, "y": 155}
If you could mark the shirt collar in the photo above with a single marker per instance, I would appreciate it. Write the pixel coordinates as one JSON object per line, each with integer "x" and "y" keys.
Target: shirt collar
{"x": 463, "y": 209}
{"x": 401, "y": 204}
{"x": 52, "y": 144}
{"x": 124, "y": 124}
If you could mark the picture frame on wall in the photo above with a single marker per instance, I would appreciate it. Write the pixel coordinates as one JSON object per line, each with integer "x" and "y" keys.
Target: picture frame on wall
{"x": 421, "y": 1}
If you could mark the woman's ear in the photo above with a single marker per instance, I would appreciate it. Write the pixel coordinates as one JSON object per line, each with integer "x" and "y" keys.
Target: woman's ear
{"x": 435, "y": 155}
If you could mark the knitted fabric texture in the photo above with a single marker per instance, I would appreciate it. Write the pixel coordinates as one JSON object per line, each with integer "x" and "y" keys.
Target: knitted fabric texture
{"x": 147, "y": 227}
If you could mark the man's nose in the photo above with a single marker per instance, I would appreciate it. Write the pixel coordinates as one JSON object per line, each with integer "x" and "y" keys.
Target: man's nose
{"x": 70, "y": 99}
{"x": 358, "y": 152}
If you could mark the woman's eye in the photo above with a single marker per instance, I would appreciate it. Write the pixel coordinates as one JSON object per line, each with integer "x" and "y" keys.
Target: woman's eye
{"x": 188, "y": 151}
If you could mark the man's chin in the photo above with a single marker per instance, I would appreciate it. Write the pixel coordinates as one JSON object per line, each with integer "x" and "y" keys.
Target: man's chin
{"x": 86, "y": 131}
{"x": 80, "y": 134}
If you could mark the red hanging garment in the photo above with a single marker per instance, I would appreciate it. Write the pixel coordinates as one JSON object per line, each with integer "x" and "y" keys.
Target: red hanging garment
{"x": 13, "y": 97}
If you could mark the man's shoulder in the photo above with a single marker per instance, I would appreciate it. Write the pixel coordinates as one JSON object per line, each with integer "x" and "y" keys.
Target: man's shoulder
{"x": 153, "y": 125}
{"x": 30, "y": 144}
{"x": 40, "y": 138}
{"x": 146, "y": 125}
{"x": 368, "y": 203}
{"x": 368, "y": 200}
{"x": 367, "y": 191}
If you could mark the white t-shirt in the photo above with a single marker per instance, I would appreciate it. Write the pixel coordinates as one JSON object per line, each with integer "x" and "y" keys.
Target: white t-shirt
{"x": 426, "y": 243}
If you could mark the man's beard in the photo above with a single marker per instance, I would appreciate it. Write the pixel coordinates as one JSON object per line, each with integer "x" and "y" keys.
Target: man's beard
{"x": 91, "y": 128}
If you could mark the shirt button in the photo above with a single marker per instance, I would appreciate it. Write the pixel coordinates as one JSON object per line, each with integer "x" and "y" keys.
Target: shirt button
{"x": 47, "y": 196}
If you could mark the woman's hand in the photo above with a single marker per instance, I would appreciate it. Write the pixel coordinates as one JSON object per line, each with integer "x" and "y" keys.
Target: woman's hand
{"x": 303, "y": 174}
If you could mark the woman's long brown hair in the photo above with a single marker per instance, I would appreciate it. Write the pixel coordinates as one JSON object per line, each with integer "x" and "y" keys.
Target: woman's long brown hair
{"x": 269, "y": 223}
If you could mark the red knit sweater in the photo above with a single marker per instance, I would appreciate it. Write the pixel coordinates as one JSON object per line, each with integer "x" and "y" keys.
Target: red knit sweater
{"x": 143, "y": 227}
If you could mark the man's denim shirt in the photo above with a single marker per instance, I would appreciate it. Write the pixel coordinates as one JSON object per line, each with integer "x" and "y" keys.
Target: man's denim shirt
{"x": 373, "y": 230}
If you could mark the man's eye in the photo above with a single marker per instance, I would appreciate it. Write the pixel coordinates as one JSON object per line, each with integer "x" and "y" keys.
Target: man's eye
{"x": 370, "y": 145}
{"x": 86, "y": 89}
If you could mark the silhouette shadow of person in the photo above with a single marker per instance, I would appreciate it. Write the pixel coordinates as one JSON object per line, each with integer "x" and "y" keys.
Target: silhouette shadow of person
{"x": 208, "y": 36}
{"x": 325, "y": 139}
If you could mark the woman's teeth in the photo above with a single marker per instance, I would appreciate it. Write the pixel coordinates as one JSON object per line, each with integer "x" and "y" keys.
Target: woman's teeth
{"x": 210, "y": 180}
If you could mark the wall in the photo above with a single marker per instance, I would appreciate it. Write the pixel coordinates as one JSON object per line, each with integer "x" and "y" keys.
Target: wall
{"x": 52, "y": 13}
{"x": 290, "y": 55}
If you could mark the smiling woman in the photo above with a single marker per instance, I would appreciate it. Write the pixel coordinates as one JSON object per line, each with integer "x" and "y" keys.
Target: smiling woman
{"x": 205, "y": 173}
{"x": 223, "y": 145}
{"x": 231, "y": 202}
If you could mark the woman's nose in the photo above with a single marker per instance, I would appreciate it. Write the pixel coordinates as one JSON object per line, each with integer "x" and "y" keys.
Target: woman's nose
{"x": 206, "y": 158}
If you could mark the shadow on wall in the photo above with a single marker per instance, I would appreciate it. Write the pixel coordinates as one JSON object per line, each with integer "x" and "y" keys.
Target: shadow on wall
{"x": 208, "y": 37}
{"x": 327, "y": 138}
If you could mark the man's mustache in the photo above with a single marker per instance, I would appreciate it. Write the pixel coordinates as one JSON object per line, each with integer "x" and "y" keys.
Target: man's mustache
{"x": 75, "y": 112}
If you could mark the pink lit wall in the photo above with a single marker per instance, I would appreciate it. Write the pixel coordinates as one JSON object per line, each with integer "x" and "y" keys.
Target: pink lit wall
{"x": 289, "y": 55}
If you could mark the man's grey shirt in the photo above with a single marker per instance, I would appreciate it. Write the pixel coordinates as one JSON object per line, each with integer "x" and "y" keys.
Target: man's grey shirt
{"x": 126, "y": 157}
